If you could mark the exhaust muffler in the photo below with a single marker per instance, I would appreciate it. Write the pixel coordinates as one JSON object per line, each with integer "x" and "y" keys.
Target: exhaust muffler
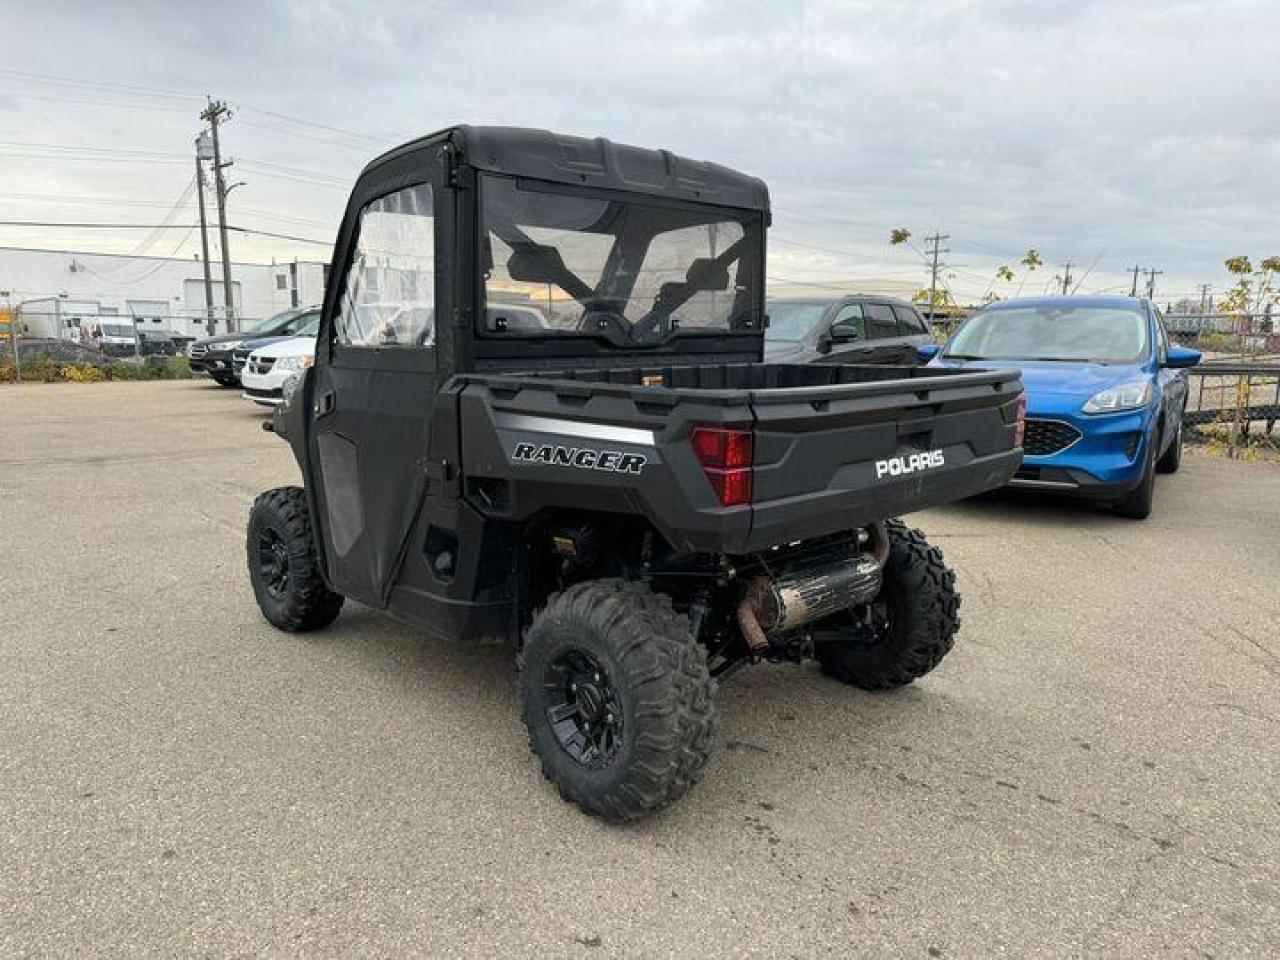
{"x": 813, "y": 589}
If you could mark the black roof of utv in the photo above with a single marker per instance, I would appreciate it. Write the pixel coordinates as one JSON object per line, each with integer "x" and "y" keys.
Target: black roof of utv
{"x": 594, "y": 162}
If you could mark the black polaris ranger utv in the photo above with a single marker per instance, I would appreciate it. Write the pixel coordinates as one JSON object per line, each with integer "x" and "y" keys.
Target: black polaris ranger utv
{"x": 538, "y": 414}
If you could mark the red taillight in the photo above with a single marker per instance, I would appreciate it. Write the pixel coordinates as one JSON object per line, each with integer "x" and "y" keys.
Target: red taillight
{"x": 1020, "y": 421}
{"x": 726, "y": 457}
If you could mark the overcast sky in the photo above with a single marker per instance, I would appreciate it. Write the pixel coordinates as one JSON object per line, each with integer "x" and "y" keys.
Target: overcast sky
{"x": 1107, "y": 133}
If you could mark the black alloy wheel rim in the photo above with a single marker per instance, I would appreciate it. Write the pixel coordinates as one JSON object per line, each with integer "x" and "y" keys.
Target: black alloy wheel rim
{"x": 273, "y": 563}
{"x": 583, "y": 708}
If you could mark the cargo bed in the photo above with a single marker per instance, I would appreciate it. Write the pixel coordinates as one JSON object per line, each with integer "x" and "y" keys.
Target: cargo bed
{"x": 835, "y": 447}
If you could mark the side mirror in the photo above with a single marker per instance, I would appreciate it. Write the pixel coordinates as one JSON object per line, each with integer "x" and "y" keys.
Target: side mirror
{"x": 844, "y": 332}
{"x": 927, "y": 351}
{"x": 1182, "y": 357}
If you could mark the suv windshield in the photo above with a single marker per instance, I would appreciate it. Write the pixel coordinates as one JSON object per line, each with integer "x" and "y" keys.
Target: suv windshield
{"x": 1097, "y": 334}
{"x": 631, "y": 270}
{"x": 280, "y": 323}
{"x": 793, "y": 320}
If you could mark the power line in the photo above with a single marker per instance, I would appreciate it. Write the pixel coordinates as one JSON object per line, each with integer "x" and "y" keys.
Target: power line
{"x": 64, "y": 81}
{"x": 94, "y": 226}
{"x": 168, "y": 93}
{"x": 280, "y": 236}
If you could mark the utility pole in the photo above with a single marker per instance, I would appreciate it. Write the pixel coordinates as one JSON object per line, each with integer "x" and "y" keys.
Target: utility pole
{"x": 214, "y": 114}
{"x": 1133, "y": 290}
{"x": 933, "y": 247}
{"x": 1066, "y": 277}
{"x": 1204, "y": 297}
{"x": 1152, "y": 273}
{"x": 203, "y": 147}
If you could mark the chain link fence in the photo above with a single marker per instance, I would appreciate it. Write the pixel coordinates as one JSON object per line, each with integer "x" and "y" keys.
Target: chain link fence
{"x": 58, "y": 344}
{"x": 1234, "y": 399}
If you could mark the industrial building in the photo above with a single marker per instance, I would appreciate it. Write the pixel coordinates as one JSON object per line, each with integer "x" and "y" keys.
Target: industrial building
{"x": 53, "y": 292}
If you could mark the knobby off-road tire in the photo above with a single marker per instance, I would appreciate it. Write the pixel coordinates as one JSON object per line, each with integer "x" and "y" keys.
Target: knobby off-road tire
{"x": 914, "y": 619}
{"x": 283, "y": 566}
{"x": 1171, "y": 459}
{"x": 615, "y": 653}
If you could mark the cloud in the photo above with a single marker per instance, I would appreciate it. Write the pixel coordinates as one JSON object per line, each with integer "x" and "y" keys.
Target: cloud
{"x": 1122, "y": 131}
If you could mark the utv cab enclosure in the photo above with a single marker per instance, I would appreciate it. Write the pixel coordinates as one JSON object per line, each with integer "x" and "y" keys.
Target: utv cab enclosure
{"x": 538, "y": 414}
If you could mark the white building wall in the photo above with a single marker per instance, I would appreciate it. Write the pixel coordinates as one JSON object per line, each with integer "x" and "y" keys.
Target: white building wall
{"x": 112, "y": 282}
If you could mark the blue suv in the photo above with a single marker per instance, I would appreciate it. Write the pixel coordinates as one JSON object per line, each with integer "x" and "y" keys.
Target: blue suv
{"x": 1105, "y": 391}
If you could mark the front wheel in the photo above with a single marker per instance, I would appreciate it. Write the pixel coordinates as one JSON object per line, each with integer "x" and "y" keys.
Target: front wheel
{"x": 284, "y": 566}
{"x": 617, "y": 698}
{"x": 1136, "y": 504}
{"x": 1171, "y": 459}
{"x": 906, "y": 631}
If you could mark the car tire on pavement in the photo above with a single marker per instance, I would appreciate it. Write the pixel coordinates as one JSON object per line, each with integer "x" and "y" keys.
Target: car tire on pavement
{"x": 1171, "y": 459}
{"x": 284, "y": 566}
{"x": 908, "y": 629}
{"x": 1136, "y": 504}
{"x": 617, "y": 698}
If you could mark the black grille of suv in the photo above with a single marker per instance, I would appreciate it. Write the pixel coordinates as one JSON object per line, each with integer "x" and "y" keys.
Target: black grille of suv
{"x": 1046, "y": 437}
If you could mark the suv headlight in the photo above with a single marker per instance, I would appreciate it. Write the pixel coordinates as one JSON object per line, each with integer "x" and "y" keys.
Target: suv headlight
{"x": 294, "y": 363}
{"x": 1127, "y": 396}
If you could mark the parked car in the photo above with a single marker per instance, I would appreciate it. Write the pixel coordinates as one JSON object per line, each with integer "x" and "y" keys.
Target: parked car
{"x": 157, "y": 343}
{"x": 214, "y": 355}
{"x": 306, "y": 326}
{"x": 118, "y": 339}
{"x": 851, "y": 329}
{"x": 1105, "y": 392}
{"x": 32, "y": 350}
{"x": 640, "y": 506}
{"x": 268, "y": 367}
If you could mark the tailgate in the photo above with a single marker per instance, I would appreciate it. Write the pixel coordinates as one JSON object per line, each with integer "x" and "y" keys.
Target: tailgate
{"x": 834, "y": 457}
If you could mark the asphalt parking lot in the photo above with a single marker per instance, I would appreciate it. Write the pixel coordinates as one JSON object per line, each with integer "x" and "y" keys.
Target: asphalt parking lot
{"x": 1094, "y": 771}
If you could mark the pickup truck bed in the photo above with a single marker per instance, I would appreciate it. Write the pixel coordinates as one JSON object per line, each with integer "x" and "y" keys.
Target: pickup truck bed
{"x": 835, "y": 447}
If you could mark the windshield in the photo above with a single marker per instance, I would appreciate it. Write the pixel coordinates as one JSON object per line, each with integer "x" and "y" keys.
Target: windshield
{"x": 280, "y": 323}
{"x": 793, "y": 320}
{"x": 1097, "y": 334}
{"x": 632, "y": 270}
{"x": 117, "y": 330}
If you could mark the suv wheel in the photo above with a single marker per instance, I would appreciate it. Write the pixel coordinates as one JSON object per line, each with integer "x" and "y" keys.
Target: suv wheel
{"x": 617, "y": 698}
{"x": 1136, "y": 504}
{"x": 1171, "y": 459}
{"x": 907, "y": 631}
{"x": 283, "y": 566}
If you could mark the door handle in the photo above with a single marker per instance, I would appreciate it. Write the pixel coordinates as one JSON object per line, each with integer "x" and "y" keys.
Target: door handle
{"x": 325, "y": 403}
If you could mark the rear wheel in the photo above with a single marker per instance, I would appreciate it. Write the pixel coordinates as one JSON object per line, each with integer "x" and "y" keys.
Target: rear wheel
{"x": 617, "y": 698}
{"x": 907, "y": 631}
{"x": 226, "y": 381}
{"x": 283, "y": 564}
